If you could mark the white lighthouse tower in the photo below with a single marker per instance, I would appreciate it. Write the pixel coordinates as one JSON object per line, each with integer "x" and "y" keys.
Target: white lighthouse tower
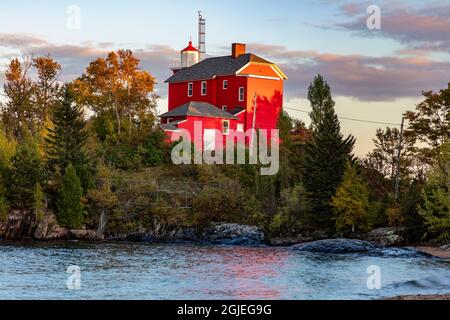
{"x": 189, "y": 56}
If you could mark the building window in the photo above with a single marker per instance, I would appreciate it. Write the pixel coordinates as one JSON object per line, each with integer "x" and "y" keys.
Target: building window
{"x": 240, "y": 127}
{"x": 226, "y": 127}
{"x": 190, "y": 89}
{"x": 224, "y": 108}
{"x": 225, "y": 84}
{"x": 204, "y": 88}
{"x": 241, "y": 94}
{"x": 169, "y": 120}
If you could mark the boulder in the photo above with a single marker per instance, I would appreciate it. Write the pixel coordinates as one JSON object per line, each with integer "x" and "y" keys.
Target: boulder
{"x": 337, "y": 246}
{"x": 350, "y": 246}
{"x": 233, "y": 234}
{"x": 83, "y": 235}
{"x": 387, "y": 236}
{"x": 156, "y": 232}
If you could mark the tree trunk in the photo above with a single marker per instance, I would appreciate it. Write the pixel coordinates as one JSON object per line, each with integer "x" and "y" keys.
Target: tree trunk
{"x": 118, "y": 124}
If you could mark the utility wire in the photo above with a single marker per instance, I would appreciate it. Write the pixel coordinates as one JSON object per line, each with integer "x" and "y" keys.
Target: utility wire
{"x": 350, "y": 119}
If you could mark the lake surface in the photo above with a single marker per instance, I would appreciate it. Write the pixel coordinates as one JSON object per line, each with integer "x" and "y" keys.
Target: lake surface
{"x": 140, "y": 271}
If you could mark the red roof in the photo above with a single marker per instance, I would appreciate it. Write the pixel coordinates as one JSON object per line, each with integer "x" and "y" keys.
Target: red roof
{"x": 190, "y": 47}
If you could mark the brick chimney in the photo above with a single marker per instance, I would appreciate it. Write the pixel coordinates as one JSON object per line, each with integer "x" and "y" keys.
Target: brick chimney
{"x": 238, "y": 49}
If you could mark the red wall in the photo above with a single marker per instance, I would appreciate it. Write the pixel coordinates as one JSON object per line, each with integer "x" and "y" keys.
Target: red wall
{"x": 269, "y": 99}
{"x": 207, "y": 123}
{"x": 178, "y": 93}
{"x": 269, "y": 102}
{"x": 230, "y": 97}
{"x": 215, "y": 94}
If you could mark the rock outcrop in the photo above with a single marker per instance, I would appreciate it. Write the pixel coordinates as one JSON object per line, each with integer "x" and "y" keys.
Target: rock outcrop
{"x": 348, "y": 246}
{"x": 233, "y": 234}
{"x": 388, "y": 237}
{"x": 22, "y": 225}
{"x": 157, "y": 232}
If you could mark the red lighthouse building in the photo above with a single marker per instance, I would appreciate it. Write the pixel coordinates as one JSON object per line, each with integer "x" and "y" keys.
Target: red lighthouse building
{"x": 237, "y": 92}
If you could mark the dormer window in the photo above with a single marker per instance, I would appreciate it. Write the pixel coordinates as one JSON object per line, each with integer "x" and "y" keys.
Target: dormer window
{"x": 169, "y": 120}
{"x": 204, "y": 90}
{"x": 190, "y": 89}
{"x": 224, "y": 108}
{"x": 225, "y": 84}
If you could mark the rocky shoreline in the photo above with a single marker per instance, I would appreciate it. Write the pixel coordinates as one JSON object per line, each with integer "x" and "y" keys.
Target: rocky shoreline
{"x": 419, "y": 297}
{"x": 22, "y": 226}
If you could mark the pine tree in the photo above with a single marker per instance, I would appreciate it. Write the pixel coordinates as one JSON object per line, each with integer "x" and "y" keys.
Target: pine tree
{"x": 351, "y": 200}
{"x": 66, "y": 141}
{"x": 319, "y": 95}
{"x": 326, "y": 156}
{"x": 26, "y": 171}
{"x": 70, "y": 210}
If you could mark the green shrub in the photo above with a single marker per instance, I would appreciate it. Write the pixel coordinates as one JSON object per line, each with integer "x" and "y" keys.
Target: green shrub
{"x": 228, "y": 202}
{"x": 155, "y": 151}
{"x": 70, "y": 209}
{"x": 293, "y": 212}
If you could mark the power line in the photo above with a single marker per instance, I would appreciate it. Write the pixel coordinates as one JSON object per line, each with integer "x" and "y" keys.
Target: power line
{"x": 351, "y": 119}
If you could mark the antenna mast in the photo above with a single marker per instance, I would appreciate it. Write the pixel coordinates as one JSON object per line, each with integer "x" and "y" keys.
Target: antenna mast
{"x": 201, "y": 36}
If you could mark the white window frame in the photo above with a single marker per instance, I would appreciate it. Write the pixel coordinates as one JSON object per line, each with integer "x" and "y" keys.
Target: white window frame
{"x": 204, "y": 88}
{"x": 240, "y": 127}
{"x": 169, "y": 120}
{"x": 224, "y": 108}
{"x": 241, "y": 94}
{"x": 225, "y": 85}
{"x": 227, "y": 132}
{"x": 190, "y": 92}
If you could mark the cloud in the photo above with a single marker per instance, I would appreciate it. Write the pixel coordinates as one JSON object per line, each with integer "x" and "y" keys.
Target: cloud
{"x": 362, "y": 77}
{"x": 75, "y": 58}
{"x": 358, "y": 76}
{"x": 426, "y": 28}
{"x": 20, "y": 41}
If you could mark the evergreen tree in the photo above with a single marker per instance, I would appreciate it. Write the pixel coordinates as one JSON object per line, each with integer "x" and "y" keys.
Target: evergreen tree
{"x": 70, "y": 210}
{"x": 66, "y": 141}
{"x": 436, "y": 196}
{"x": 326, "y": 156}
{"x": 319, "y": 95}
{"x": 26, "y": 171}
{"x": 351, "y": 200}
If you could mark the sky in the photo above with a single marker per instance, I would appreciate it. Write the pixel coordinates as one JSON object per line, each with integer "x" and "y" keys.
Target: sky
{"x": 374, "y": 74}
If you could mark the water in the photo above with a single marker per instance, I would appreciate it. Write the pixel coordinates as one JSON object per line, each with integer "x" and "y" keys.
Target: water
{"x": 139, "y": 271}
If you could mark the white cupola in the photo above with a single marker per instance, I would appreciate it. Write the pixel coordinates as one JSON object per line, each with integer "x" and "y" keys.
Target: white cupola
{"x": 189, "y": 56}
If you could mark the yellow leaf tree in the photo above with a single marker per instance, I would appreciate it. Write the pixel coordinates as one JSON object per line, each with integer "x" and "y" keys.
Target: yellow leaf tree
{"x": 350, "y": 201}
